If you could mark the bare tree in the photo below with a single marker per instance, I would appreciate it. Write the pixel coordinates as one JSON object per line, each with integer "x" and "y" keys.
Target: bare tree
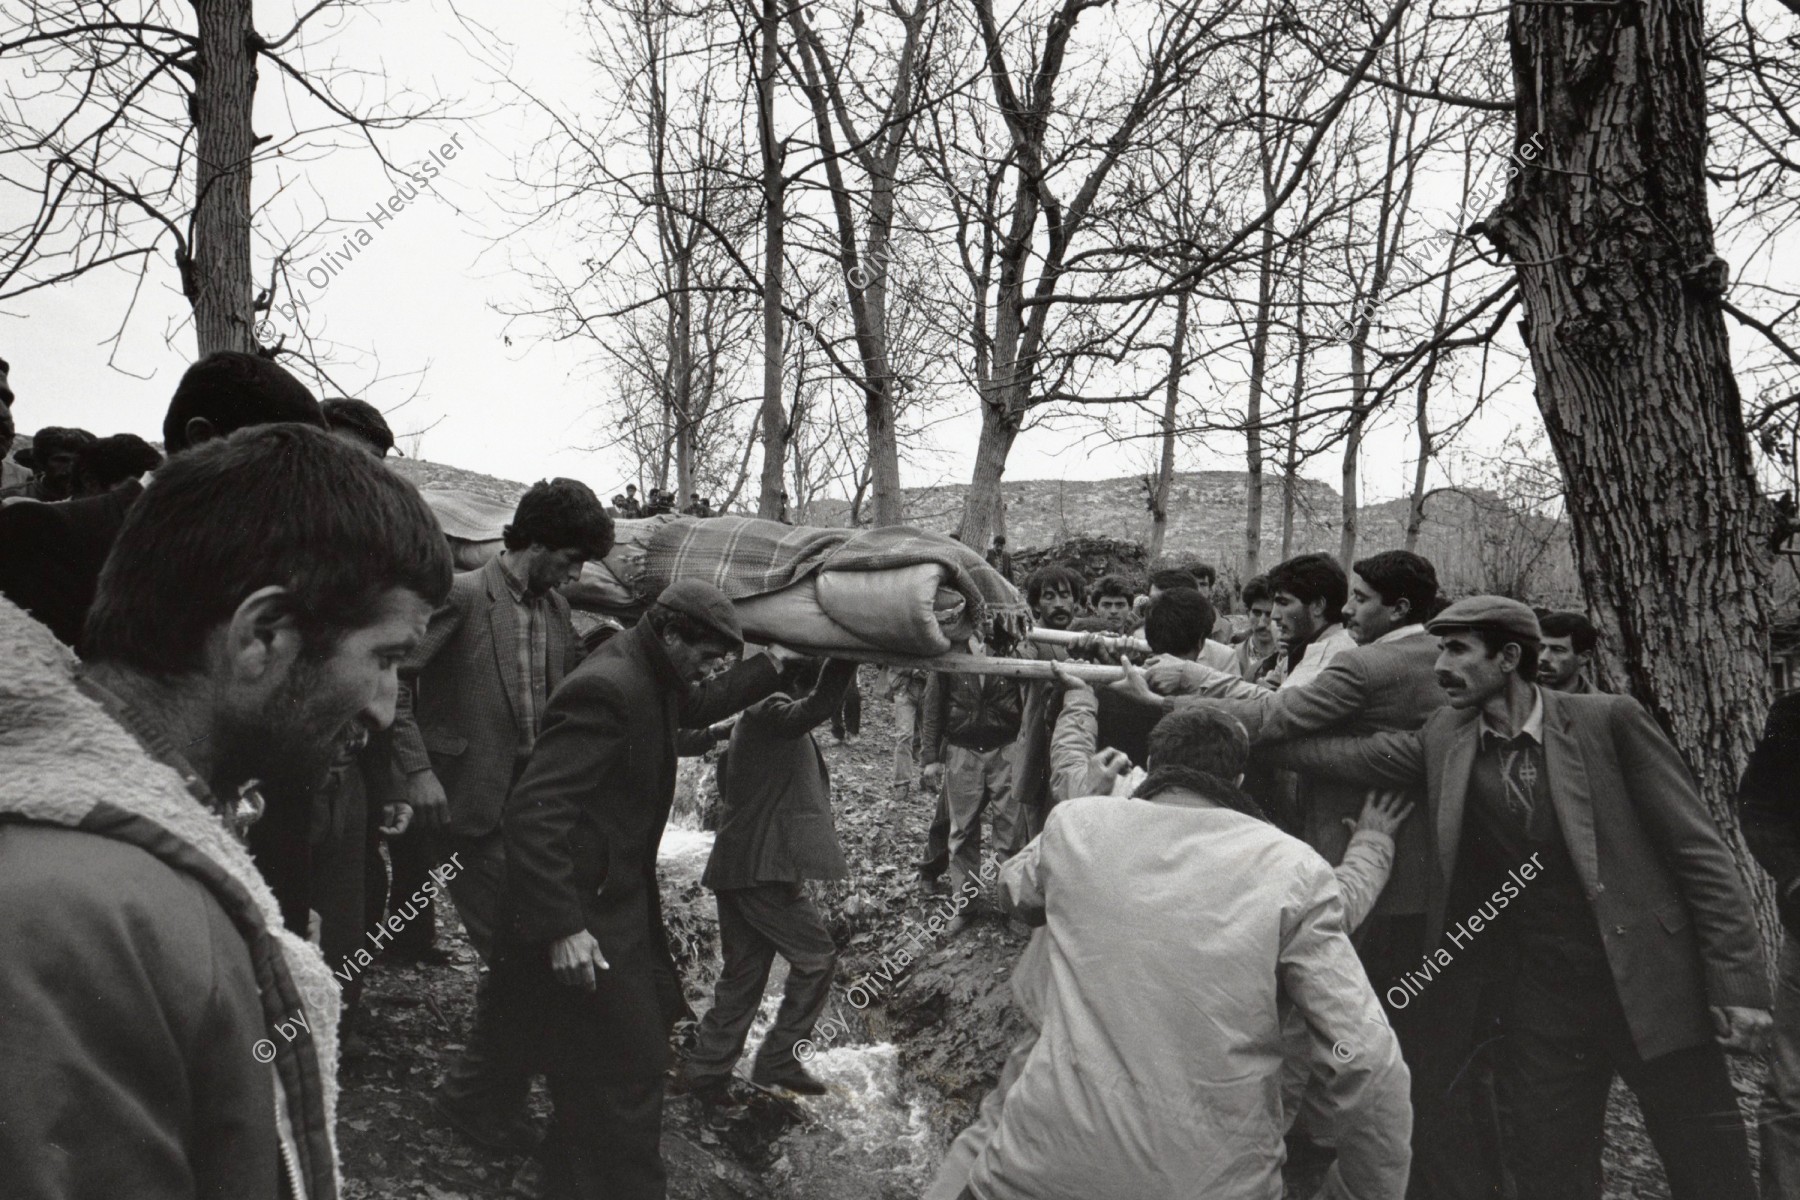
{"x": 142, "y": 144}
{"x": 875, "y": 147}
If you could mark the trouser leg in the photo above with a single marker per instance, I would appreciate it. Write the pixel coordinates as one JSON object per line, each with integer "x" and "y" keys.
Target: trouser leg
{"x": 413, "y": 854}
{"x": 852, "y": 710}
{"x": 605, "y": 1052}
{"x": 937, "y": 837}
{"x": 785, "y": 916}
{"x": 965, "y": 794}
{"x": 1691, "y": 1113}
{"x": 1779, "y": 1115}
{"x": 485, "y": 1083}
{"x": 479, "y": 864}
{"x": 1554, "y": 1073}
{"x": 748, "y": 955}
{"x": 1010, "y": 833}
{"x": 906, "y": 715}
{"x": 337, "y": 888}
{"x": 1449, "y": 1037}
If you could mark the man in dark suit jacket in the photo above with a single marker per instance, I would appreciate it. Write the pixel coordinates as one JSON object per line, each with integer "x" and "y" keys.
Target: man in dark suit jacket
{"x": 1769, "y": 806}
{"x": 471, "y": 699}
{"x": 585, "y": 986}
{"x": 775, "y": 832}
{"x": 1581, "y": 890}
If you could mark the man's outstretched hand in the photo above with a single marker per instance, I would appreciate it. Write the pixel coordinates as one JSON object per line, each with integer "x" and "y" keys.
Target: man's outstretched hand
{"x": 576, "y": 959}
{"x": 1066, "y": 681}
{"x": 1382, "y": 812}
{"x": 1135, "y": 686}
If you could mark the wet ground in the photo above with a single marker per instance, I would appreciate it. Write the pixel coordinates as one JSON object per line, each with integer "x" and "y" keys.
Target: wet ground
{"x": 908, "y": 1061}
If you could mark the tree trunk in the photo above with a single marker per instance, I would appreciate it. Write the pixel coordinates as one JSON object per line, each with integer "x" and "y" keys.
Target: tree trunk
{"x": 217, "y": 281}
{"x": 999, "y": 426}
{"x": 774, "y": 413}
{"x": 1291, "y": 468}
{"x": 1165, "y": 467}
{"x": 1353, "y": 436}
{"x": 1415, "y": 507}
{"x": 1613, "y": 246}
{"x": 1259, "y": 367}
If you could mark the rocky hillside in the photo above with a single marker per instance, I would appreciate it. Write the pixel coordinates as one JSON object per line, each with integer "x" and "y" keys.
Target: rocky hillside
{"x": 1478, "y": 542}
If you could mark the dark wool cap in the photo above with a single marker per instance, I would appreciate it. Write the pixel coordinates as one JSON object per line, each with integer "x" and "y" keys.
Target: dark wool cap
{"x": 1496, "y": 614}
{"x": 705, "y": 604}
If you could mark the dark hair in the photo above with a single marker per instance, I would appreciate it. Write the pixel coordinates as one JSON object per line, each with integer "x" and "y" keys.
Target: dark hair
{"x": 1178, "y": 622}
{"x": 232, "y": 391}
{"x": 1050, "y": 575}
{"x": 1174, "y": 577}
{"x": 562, "y": 514}
{"x": 1580, "y": 631}
{"x": 1309, "y": 577}
{"x": 1110, "y": 585}
{"x": 1398, "y": 575}
{"x": 112, "y": 460}
{"x": 1495, "y": 641}
{"x": 50, "y": 440}
{"x": 279, "y": 505}
{"x": 1256, "y": 591}
{"x": 360, "y": 418}
{"x": 1205, "y": 574}
{"x": 1200, "y": 739}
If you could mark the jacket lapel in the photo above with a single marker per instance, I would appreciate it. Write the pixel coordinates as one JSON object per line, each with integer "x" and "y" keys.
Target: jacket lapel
{"x": 1569, "y": 794}
{"x": 503, "y": 626}
{"x": 1458, "y": 764}
{"x": 558, "y": 642}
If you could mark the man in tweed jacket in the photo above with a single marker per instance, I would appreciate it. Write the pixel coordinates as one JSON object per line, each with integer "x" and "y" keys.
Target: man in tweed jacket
{"x": 1580, "y": 891}
{"x": 471, "y": 700}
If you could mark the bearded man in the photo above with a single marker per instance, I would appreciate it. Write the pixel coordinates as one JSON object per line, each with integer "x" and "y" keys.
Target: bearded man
{"x": 164, "y": 1036}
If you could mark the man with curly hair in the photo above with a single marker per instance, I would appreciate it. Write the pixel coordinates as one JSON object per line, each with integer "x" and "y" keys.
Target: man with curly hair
{"x": 472, "y": 697}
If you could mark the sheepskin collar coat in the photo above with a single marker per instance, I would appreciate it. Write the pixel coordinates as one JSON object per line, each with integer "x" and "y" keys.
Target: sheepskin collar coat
{"x": 164, "y": 1034}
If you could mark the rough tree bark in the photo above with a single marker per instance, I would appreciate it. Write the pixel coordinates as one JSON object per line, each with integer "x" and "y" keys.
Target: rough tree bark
{"x": 1291, "y": 467}
{"x": 774, "y": 413}
{"x": 1613, "y": 247}
{"x": 217, "y": 280}
{"x": 1165, "y": 467}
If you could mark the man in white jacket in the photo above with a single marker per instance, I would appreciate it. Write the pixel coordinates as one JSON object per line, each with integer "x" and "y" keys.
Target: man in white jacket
{"x": 1180, "y": 926}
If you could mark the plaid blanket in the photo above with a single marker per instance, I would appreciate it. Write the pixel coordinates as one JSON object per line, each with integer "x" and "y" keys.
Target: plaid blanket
{"x": 745, "y": 556}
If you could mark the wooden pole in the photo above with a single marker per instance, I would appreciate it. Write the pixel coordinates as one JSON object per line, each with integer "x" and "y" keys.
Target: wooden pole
{"x": 974, "y": 664}
{"x": 1113, "y": 643}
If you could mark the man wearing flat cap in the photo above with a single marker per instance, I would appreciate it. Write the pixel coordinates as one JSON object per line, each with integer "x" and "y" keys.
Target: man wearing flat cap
{"x": 1583, "y": 896}
{"x": 584, "y": 984}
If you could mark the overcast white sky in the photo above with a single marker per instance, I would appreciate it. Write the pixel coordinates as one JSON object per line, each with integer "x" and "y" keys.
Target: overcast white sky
{"x": 417, "y": 308}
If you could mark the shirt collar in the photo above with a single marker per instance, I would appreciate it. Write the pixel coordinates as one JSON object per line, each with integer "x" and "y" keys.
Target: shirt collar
{"x": 514, "y": 584}
{"x": 1332, "y": 640}
{"x": 1412, "y": 629}
{"x": 1534, "y": 724}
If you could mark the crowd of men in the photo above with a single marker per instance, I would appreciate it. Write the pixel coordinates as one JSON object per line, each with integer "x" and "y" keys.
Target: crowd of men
{"x": 658, "y": 502}
{"x": 1361, "y": 874}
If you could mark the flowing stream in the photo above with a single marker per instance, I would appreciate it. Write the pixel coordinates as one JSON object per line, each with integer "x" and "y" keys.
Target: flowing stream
{"x": 867, "y": 1104}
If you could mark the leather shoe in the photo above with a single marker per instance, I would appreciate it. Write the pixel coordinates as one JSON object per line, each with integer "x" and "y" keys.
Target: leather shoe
{"x": 799, "y": 1081}
{"x": 519, "y": 1136}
